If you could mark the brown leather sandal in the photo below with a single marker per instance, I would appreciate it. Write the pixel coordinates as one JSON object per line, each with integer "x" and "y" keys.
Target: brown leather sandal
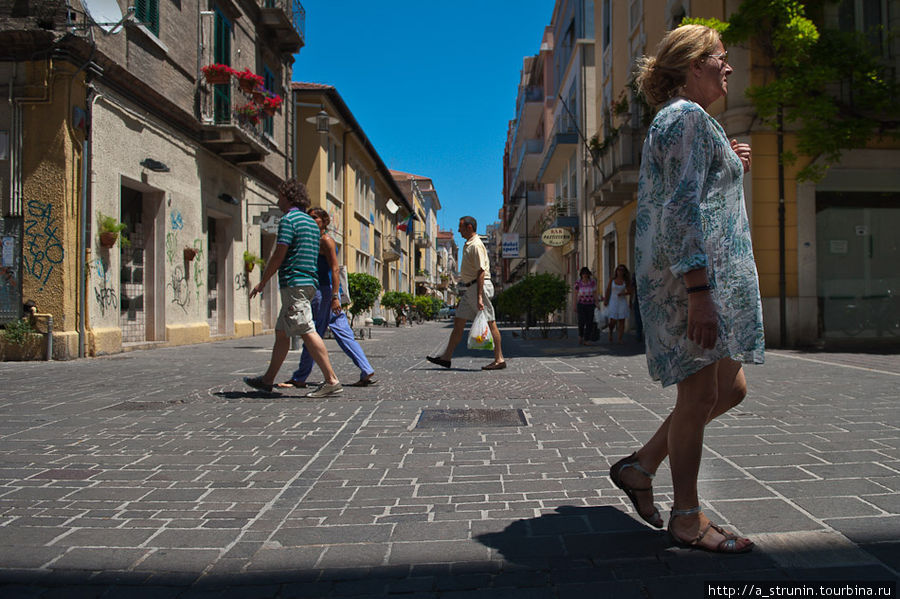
{"x": 728, "y": 545}
{"x": 615, "y": 473}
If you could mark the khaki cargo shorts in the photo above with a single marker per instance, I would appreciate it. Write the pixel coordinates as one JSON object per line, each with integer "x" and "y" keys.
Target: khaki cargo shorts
{"x": 296, "y": 317}
{"x": 468, "y": 304}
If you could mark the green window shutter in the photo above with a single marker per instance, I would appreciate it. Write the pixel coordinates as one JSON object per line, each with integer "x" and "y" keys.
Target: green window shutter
{"x": 147, "y": 12}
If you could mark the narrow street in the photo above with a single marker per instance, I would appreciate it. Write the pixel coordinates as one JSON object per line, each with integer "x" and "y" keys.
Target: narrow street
{"x": 158, "y": 474}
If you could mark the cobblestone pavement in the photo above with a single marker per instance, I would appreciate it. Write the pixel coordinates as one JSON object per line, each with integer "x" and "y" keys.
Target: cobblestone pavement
{"x": 158, "y": 474}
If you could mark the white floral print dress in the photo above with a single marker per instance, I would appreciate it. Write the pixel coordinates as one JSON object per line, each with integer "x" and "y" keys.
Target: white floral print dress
{"x": 690, "y": 215}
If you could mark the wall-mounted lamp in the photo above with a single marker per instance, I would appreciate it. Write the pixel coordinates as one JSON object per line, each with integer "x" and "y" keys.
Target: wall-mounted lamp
{"x": 154, "y": 165}
{"x": 229, "y": 199}
{"x": 323, "y": 121}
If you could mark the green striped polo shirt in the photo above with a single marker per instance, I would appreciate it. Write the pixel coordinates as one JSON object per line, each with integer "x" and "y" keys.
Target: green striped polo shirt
{"x": 300, "y": 233}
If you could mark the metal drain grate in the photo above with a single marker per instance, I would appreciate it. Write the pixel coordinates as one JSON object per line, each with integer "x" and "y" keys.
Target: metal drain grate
{"x": 131, "y": 406}
{"x": 468, "y": 418}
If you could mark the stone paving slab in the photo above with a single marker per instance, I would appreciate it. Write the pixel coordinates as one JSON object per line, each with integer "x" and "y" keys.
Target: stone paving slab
{"x": 174, "y": 480}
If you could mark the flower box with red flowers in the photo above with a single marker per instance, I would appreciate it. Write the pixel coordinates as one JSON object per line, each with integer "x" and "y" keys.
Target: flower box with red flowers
{"x": 248, "y": 112}
{"x": 217, "y": 74}
{"x": 248, "y": 81}
{"x": 271, "y": 104}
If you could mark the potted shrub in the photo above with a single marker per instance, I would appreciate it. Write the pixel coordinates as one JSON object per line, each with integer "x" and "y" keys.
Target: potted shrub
{"x": 217, "y": 74}
{"x": 189, "y": 253}
{"x": 21, "y": 341}
{"x": 248, "y": 80}
{"x": 251, "y": 260}
{"x": 248, "y": 112}
{"x": 110, "y": 231}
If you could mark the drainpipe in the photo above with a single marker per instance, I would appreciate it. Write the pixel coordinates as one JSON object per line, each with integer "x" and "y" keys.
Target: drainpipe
{"x": 782, "y": 282}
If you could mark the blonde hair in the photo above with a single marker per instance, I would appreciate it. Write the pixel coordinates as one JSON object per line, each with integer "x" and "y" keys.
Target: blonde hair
{"x": 660, "y": 76}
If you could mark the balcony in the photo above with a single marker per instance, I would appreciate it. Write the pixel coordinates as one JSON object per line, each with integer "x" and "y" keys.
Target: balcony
{"x": 557, "y": 154}
{"x": 563, "y": 213}
{"x": 529, "y": 105}
{"x": 529, "y": 159}
{"x": 423, "y": 277}
{"x": 423, "y": 241}
{"x": 621, "y": 161}
{"x": 237, "y": 137}
{"x": 285, "y": 21}
{"x": 393, "y": 250}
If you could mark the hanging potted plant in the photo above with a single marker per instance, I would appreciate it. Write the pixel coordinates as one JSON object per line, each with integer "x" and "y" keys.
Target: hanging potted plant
{"x": 248, "y": 113}
{"x": 251, "y": 260}
{"x": 272, "y": 104}
{"x": 110, "y": 230}
{"x": 189, "y": 253}
{"x": 217, "y": 74}
{"x": 248, "y": 80}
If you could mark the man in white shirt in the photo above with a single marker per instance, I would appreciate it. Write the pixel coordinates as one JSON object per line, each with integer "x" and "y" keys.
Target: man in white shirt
{"x": 475, "y": 282}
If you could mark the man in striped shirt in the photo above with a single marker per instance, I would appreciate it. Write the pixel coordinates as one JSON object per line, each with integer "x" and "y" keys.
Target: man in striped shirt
{"x": 294, "y": 259}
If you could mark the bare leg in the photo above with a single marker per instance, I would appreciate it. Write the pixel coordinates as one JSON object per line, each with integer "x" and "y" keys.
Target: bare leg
{"x": 495, "y": 333}
{"x": 732, "y": 388}
{"x": 459, "y": 325}
{"x": 621, "y": 330}
{"x": 610, "y": 327}
{"x": 319, "y": 354}
{"x": 279, "y": 353}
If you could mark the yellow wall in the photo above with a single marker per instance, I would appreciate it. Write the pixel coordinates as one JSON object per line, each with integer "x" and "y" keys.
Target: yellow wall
{"x": 51, "y": 179}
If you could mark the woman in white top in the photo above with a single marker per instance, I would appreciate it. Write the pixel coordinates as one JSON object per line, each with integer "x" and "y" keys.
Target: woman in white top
{"x": 616, "y": 300}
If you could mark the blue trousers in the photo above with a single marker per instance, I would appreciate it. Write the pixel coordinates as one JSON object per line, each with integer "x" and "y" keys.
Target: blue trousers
{"x": 340, "y": 328}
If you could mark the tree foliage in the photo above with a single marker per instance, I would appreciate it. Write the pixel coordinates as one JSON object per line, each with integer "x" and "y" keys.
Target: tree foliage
{"x": 538, "y": 295}
{"x": 427, "y": 305}
{"x": 397, "y": 301}
{"x": 834, "y": 86}
{"x": 364, "y": 290}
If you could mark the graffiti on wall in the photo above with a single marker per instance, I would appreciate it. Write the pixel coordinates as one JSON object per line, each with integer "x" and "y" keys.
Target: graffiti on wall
{"x": 106, "y": 296}
{"x": 179, "y": 284}
{"x": 176, "y": 221}
{"x": 43, "y": 249}
{"x": 241, "y": 281}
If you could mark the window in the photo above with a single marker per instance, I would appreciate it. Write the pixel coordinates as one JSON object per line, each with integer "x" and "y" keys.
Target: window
{"x": 635, "y": 13}
{"x": 867, "y": 17}
{"x": 147, "y": 13}
{"x": 222, "y": 55}
{"x": 607, "y": 23}
{"x": 335, "y": 171}
{"x": 364, "y": 236}
{"x": 269, "y": 83}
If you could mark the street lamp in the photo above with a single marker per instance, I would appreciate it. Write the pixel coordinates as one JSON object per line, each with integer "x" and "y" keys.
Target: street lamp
{"x": 323, "y": 121}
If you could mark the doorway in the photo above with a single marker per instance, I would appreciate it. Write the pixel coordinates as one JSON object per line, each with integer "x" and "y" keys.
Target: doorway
{"x": 857, "y": 258}
{"x": 140, "y": 311}
{"x": 219, "y": 305}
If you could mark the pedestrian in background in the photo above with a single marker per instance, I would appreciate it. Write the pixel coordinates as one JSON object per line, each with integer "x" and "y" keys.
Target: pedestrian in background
{"x": 294, "y": 259}
{"x": 696, "y": 276}
{"x": 585, "y": 302}
{"x": 327, "y": 311}
{"x": 475, "y": 280}
{"x": 618, "y": 291}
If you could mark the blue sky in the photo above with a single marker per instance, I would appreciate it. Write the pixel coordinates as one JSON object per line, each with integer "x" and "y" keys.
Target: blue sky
{"x": 433, "y": 85}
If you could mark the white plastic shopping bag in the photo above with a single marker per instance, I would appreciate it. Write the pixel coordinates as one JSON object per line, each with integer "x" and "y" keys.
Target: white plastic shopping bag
{"x": 600, "y": 315}
{"x": 480, "y": 334}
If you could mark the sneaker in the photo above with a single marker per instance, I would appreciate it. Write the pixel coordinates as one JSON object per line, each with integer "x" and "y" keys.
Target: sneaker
{"x": 324, "y": 390}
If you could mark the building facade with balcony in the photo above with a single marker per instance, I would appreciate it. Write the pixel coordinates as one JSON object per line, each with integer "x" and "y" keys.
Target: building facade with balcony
{"x": 840, "y": 255}
{"x": 565, "y": 162}
{"x": 346, "y": 176}
{"x": 447, "y": 266}
{"x": 423, "y": 196}
{"x": 110, "y": 114}
{"x": 524, "y": 197}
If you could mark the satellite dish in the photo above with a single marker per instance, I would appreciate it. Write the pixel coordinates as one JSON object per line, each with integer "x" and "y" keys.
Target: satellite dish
{"x": 106, "y": 14}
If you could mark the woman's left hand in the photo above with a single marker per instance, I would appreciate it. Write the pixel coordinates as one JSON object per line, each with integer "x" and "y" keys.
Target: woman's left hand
{"x": 743, "y": 152}
{"x": 703, "y": 320}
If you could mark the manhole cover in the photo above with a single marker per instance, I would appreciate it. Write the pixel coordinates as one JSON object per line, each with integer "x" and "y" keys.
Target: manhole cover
{"x": 127, "y": 406}
{"x": 467, "y": 418}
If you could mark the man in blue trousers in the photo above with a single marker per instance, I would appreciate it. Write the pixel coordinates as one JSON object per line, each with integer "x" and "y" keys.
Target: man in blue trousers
{"x": 327, "y": 312}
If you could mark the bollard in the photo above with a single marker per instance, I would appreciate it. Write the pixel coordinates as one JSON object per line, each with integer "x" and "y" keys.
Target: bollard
{"x": 49, "y": 338}
{"x": 295, "y": 343}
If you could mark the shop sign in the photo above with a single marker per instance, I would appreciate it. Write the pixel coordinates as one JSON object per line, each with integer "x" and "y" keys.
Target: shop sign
{"x": 556, "y": 237}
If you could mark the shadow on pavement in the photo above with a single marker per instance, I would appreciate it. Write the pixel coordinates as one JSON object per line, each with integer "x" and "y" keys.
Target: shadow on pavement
{"x": 576, "y": 532}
